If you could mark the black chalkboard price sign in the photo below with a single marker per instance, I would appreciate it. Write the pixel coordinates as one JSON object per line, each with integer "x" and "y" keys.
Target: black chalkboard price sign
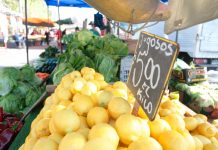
{"x": 152, "y": 65}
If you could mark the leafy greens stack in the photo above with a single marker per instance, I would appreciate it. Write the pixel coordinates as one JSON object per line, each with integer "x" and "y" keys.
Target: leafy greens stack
{"x": 19, "y": 88}
{"x": 85, "y": 49}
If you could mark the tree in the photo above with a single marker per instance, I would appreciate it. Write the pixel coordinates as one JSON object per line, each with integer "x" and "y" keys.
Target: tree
{"x": 37, "y": 8}
{"x": 12, "y": 4}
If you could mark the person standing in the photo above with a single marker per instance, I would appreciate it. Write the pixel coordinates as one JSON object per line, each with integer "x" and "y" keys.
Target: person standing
{"x": 59, "y": 35}
{"x": 95, "y": 30}
{"x": 47, "y": 35}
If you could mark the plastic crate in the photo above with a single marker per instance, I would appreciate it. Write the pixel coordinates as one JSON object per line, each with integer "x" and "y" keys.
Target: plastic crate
{"x": 125, "y": 67}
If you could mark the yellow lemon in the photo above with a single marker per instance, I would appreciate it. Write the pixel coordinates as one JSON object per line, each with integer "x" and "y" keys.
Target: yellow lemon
{"x": 57, "y": 108}
{"x": 172, "y": 140}
{"x": 131, "y": 99}
{"x": 87, "y": 90}
{"x": 204, "y": 140}
{"x": 190, "y": 123}
{"x": 29, "y": 144}
{"x": 98, "y": 144}
{"x": 65, "y": 103}
{"x": 42, "y": 128}
{"x": 120, "y": 93}
{"x": 45, "y": 144}
{"x": 72, "y": 141}
{"x": 106, "y": 131}
{"x": 145, "y": 143}
{"x": 158, "y": 126}
{"x": 64, "y": 94}
{"x": 87, "y": 70}
{"x": 198, "y": 144}
{"x": 175, "y": 121}
{"x": 103, "y": 84}
{"x": 128, "y": 128}
{"x": 52, "y": 127}
{"x": 211, "y": 146}
{"x": 88, "y": 77}
{"x": 84, "y": 132}
{"x": 207, "y": 130}
{"x": 56, "y": 137}
{"x": 75, "y": 74}
{"x": 83, "y": 105}
{"x": 120, "y": 85}
{"x": 77, "y": 85}
{"x": 145, "y": 130}
{"x": 164, "y": 112}
{"x": 203, "y": 117}
{"x": 98, "y": 76}
{"x": 103, "y": 98}
{"x": 96, "y": 84}
{"x": 97, "y": 115}
{"x": 190, "y": 140}
{"x": 118, "y": 106}
{"x": 142, "y": 114}
{"x": 66, "y": 121}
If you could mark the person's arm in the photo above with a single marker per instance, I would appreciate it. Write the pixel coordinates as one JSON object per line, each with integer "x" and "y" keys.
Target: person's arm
{"x": 98, "y": 30}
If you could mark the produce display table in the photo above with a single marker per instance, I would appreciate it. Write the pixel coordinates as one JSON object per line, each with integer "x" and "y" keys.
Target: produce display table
{"x": 201, "y": 97}
{"x": 20, "y": 138}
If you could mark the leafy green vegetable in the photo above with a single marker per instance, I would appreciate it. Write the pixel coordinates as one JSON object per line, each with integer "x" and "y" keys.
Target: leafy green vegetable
{"x": 106, "y": 67}
{"x": 19, "y": 88}
{"x": 7, "y": 82}
{"x": 11, "y": 103}
{"x": 28, "y": 74}
{"x": 85, "y": 49}
{"x": 85, "y": 36}
{"x": 50, "y": 52}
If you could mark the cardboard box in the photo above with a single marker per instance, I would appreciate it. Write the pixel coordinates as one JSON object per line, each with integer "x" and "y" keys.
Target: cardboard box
{"x": 191, "y": 75}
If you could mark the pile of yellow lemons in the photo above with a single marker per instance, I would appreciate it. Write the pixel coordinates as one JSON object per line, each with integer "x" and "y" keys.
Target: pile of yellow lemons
{"x": 86, "y": 113}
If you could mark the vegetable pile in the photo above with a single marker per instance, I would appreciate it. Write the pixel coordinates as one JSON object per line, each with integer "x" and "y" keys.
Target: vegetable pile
{"x": 48, "y": 60}
{"x": 85, "y": 49}
{"x": 87, "y": 113}
{"x": 9, "y": 127}
{"x": 19, "y": 88}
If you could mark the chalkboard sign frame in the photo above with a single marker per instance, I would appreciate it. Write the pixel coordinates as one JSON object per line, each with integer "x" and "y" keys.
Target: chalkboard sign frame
{"x": 169, "y": 49}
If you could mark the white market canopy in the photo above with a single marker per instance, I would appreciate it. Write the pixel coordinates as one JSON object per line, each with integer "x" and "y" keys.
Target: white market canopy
{"x": 187, "y": 13}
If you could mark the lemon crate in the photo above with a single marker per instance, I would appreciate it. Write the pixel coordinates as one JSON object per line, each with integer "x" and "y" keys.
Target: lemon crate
{"x": 125, "y": 67}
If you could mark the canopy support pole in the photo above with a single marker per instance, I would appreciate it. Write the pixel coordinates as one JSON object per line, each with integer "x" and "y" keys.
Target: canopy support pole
{"x": 59, "y": 18}
{"x": 177, "y": 35}
{"x": 48, "y": 14}
{"x": 27, "y": 45}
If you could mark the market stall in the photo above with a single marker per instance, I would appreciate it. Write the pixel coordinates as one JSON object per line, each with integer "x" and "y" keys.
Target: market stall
{"x": 89, "y": 108}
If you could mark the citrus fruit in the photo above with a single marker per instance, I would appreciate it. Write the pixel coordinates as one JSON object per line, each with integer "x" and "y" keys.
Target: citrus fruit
{"x": 66, "y": 121}
{"x": 145, "y": 143}
{"x": 45, "y": 144}
{"x": 103, "y": 130}
{"x": 72, "y": 141}
{"x": 128, "y": 128}
{"x": 98, "y": 144}
{"x": 158, "y": 126}
{"x": 97, "y": 115}
{"x": 118, "y": 106}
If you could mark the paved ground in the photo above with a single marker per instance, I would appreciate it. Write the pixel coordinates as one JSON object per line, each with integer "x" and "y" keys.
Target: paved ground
{"x": 18, "y": 57}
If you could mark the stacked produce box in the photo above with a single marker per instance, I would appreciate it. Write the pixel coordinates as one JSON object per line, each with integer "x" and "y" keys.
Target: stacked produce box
{"x": 202, "y": 97}
{"x": 87, "y": 113}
